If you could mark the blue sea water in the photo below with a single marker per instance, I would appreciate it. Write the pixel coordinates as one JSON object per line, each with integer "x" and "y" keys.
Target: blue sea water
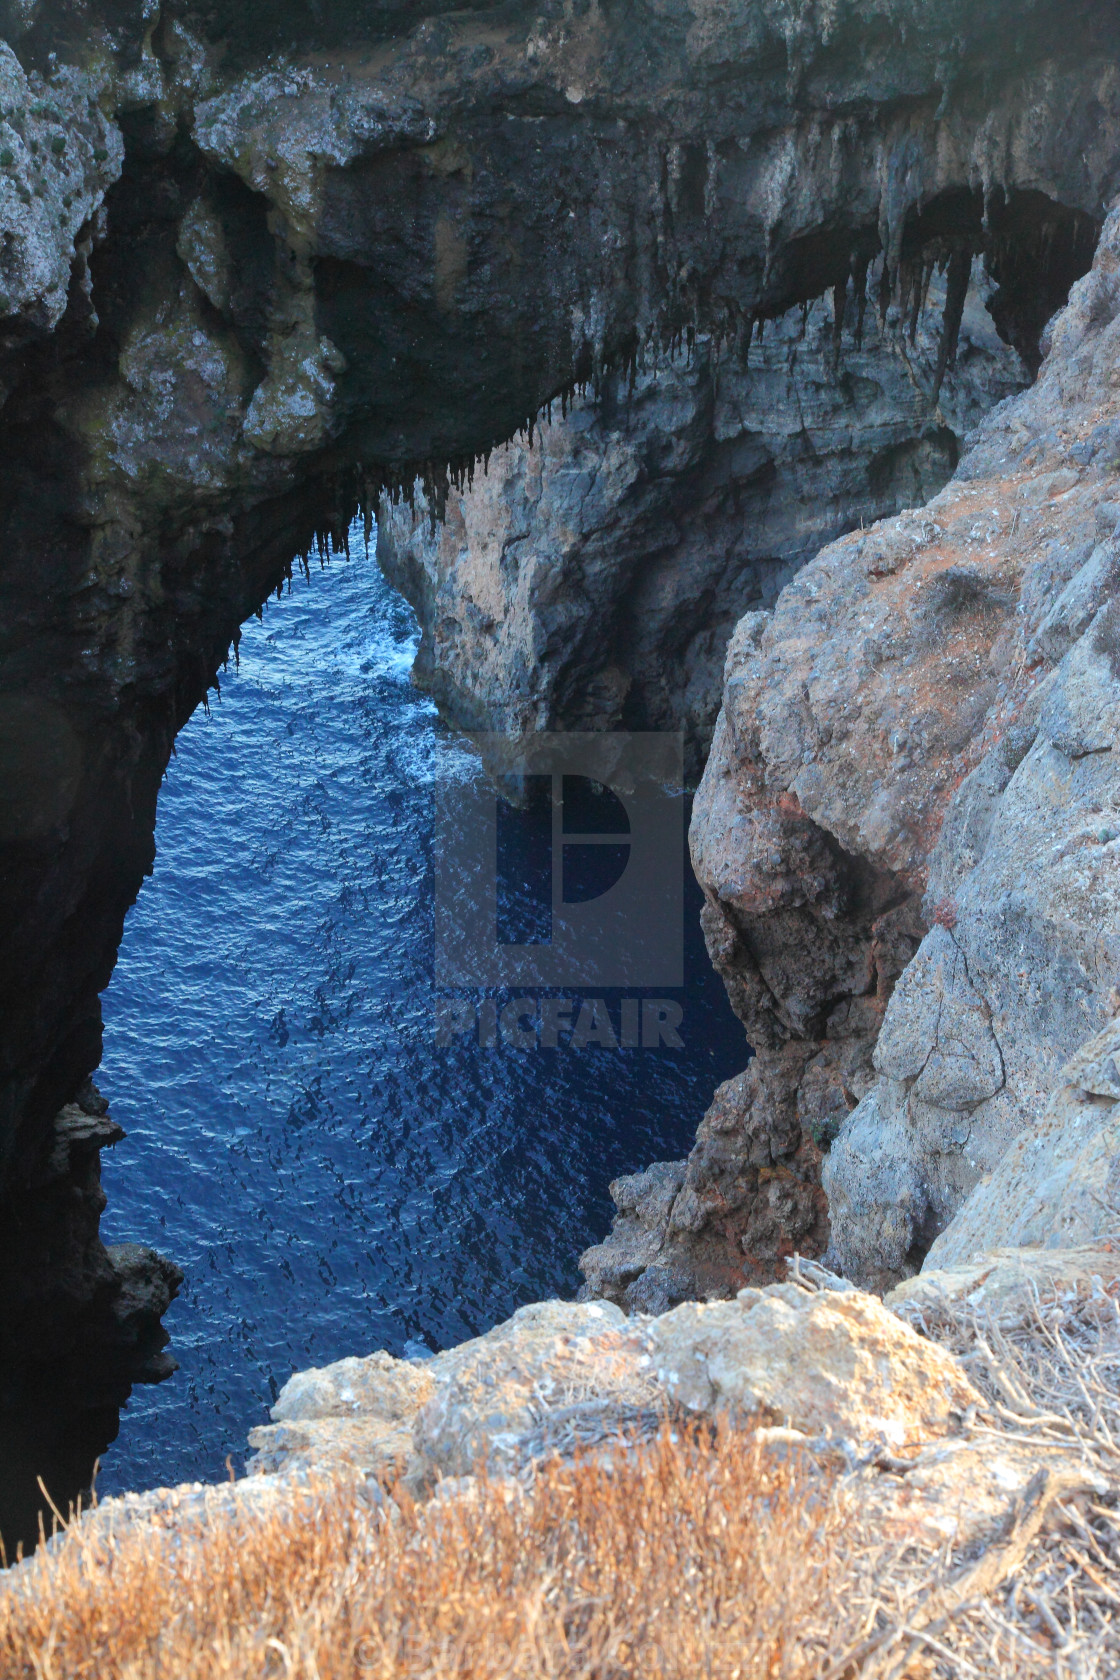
{"x": 330, "y": 1178}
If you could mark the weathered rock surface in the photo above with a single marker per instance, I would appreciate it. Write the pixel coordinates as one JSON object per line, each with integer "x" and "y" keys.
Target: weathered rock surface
{"x": 1022, "y": 879}
{"x": 832, "y": 1364}
{"x": 907, "y": 832}
{"x": 826, "y": 1363}
{"x": 60, "y": 154}
{"x": 746, "y": 1200}
{"x": 591, "y": 578}
{"x": 554, "y": 1369}
{"x": 358, "y": 1411}
{"x": 309, "y": 252}
{"x": 85, "y": 1317}
{"x": 1058, "y": 1185}
{"x": 815, "y": 1366}
{"x": 940, "y": 1489}
{"x": 312, "y": 269}
{"x": 1015, "y": 1286}
{"x": 92, "y": 1312}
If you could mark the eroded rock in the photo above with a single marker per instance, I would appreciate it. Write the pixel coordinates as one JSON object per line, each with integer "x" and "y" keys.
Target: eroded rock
{"x": 1016, "y": 1287}
{"x": 59, "y": 155}
{"x": 554, "y": 1375}
{"x": 557, "y": 1377}
{"x": 899, "y": 748}
{"x": 294, "y": 280}
{"x": 298, "y": 276}
{"x": 742, "y": 1204}
{"x": 830, "y": 1363}
{"x": 1057, "y": 1187}
{"x": 591, "y": 579}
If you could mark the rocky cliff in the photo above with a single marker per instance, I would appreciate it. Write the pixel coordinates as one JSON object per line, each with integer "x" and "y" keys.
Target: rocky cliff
{"x": 591, "y": 577}
{"x": 908, "y": 834}
{"x": 257, "y": 266}
{"x": 262, "y": 263}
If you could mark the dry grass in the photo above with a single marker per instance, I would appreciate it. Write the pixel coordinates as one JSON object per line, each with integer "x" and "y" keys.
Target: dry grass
{"x": 694, "y": 1555}
{"x": 1051, "y": 1605}
{"x": 689, "y": 1557}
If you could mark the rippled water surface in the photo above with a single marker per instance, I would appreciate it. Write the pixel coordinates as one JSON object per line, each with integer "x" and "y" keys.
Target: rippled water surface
{"x": 329, "y": 1178}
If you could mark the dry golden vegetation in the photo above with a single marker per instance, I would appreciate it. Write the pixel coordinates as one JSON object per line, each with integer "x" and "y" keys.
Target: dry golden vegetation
{"x": 697, "y": 1554}
{"x": 688, "y": 1558}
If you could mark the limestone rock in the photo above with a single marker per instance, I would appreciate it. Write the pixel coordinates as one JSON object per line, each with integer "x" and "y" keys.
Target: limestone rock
{"x": 1013, "y": 1285}
{"x": 644, "y": 1202}
{"x": 596, "y": 576}
{"x": 59, "y": 155}
{"x": 920, "y": 743}
{"x": 966, "y": 1491}
{"x": 377, "y": 1386}
{"x": 357, "y": 1412}
{"x": 1058, "y": 1185}
{"x": 744, "y": 1201}
{"x": 554, "y": 1366}
{"x": 1095, "y": 1069}
{"x": 829, "y": 1363}
{"x": 937, "y": 1032}
{"x": 560, "y": 1376}
{"x": 556, "y": 1374}
{"x": 370, "y": 1445}
{"x": 877, "y": 1198}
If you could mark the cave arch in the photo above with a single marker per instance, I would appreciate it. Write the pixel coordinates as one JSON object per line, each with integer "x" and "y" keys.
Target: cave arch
{"x": 378, "y": 254}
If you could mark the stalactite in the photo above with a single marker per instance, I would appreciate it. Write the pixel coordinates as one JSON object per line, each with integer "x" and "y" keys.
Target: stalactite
{"x": 917, "y": 300}
{"x": 887, "y": 284}
{"x": 956, "y": 294}
{"x": 861, "y": 263}
{"x": 839, "y": 308}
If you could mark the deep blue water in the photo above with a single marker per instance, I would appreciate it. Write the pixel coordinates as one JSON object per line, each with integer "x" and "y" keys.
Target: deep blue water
{"x": 331, "y": 1180}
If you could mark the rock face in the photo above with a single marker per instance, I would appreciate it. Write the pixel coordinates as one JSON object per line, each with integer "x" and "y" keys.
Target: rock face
{"x": 1058, "y": 1185}
{"x": 747, "y": 1199}
{"x": 93, "y": 1312}
{"x": 591, "y": 579}
{"x": 316, "y": 255}
{"x": 907, "y": 831}
{"x": 825, "y": 1363}
{"x": 82, "y": 1322}
{"x": 1024, "y": 878}
{"x": 259, "y": 264}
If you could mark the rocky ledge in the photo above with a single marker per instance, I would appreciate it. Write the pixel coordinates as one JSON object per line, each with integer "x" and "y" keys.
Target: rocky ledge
{"x": 967, "y": 1425}
{"x": 966, "y": 1432}
{"x": 814, "y": 1359}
